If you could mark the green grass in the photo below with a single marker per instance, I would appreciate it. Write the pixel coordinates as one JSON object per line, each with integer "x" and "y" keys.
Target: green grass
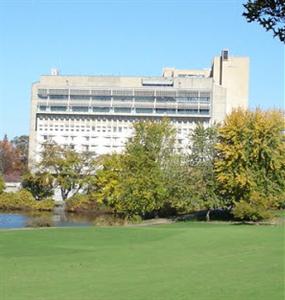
{"x": 180, "y": 261}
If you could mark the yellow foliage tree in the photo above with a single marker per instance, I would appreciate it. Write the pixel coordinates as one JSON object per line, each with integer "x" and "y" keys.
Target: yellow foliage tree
{"x": 251, "y": 157}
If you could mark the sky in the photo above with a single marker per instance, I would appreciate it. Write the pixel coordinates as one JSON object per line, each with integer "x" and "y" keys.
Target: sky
{"x": 127, "y": 38}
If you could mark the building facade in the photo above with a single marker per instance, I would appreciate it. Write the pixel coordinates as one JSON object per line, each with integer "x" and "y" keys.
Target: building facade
{"x": 96, "y": 113}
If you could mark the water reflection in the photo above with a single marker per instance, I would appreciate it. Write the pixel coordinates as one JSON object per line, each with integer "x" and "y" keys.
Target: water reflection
{"x": 58, "y": 218}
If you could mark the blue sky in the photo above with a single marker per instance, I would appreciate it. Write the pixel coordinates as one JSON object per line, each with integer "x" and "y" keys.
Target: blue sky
{"x": 126, "y": 38}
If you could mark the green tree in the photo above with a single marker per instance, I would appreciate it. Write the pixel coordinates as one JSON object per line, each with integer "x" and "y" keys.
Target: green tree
{"x": 201, "y": 168}
{"x": 270, "y": 14}
{"x": 72, "y": 172}
{"x": 143, "y": 186}
{"x": 178, "y": 181}
{"x": 133, "y": 183}
{"x": 40, "y": 185}
{"x": 250, "y": 161}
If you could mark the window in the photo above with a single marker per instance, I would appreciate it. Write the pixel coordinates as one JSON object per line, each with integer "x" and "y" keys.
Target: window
{"x": 58, "y": 97}
{"x": 42, "y": 107}
{"x": 80, "y": 109}
{"x": 101, "y": 109}
{"x": 165, "y": 111}
{"x": 79, "y": 97}
{"x": 144, "y": 110}
{"x": 144, "y": 99}
{"x": 204, "y": 111}
{"x": 101, "y": 98}
{"x": 122, "y": 109}
{"x": 58, "y": 108}
{"x": 188, "y": 111}
{"x": 165, "y": 99}
{"x": 123, "y": 98}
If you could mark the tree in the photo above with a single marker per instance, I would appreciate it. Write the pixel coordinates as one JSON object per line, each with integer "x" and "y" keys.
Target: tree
{"x": 21, "y": 143}
{"x": 147, "y": 154}
{"x": 268, "y": 13}
{"x": 250, "y": 161}
{"x": 40, "y": 185}
{"x": 201, "y": 164}
{"x": 10, "y": 163}
{"x": 2, "y": 184}
{"x": 108, "y": 182}
{"x": 72, "y": 172}
{"x": 178, "y": 181}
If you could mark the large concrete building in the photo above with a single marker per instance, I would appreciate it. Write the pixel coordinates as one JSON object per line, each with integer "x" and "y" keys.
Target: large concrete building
{"x": 96, "y": 113}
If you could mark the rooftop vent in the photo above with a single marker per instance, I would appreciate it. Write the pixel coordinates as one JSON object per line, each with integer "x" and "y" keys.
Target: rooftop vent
{"x": 225, "y": 54}
{"x": 54, "y": 72}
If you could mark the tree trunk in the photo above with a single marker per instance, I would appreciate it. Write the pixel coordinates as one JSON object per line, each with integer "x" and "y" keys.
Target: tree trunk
{"x": 208, "y": 215}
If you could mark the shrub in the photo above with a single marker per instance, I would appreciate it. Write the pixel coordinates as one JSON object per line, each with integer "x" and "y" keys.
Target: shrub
{"x": 257, "y": 208}
{"x": 81, "y": 203}
{"x": 45, "y": 205}
{"x": 23, "y": 200}
{"x": 109, "y": 220}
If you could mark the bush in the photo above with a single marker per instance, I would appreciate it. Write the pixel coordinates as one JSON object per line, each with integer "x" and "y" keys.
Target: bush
{"x": 109, "y": 220}
{"x": 257, "y": 208}
{"x": 81, "y": 203}
{"x": 23, "y": 200}
{"x": 45, "y": 205}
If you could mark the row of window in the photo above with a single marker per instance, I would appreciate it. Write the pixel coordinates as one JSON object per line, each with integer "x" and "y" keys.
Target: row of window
{"x": 126, "y": 110}
{"x": 129, "y": 98}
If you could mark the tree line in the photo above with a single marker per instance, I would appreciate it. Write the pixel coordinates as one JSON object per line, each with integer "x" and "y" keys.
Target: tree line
{"x": 237, "y": 167}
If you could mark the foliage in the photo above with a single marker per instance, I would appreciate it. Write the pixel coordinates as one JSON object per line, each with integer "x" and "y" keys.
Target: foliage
{"x": 177, "y": 179}
{"x": 133, "y": 183}
{"x": 108, "y": 182}
{"x": 11, "y": 165}
{"x": 142, "y": 178}
{"x": 270, "y": 14}
{"x": 21, "y": 143}
{"x": 2, "y": 184}
{"x": 72, "y": 172}
{"x": 81, "y": 203}
{"x": 251, "y": 157}
{"x": 201, "y": 168}
{"x": 39, "y": 184}
{"x": 256, "y": 209}
{"x": 24, "y": 200}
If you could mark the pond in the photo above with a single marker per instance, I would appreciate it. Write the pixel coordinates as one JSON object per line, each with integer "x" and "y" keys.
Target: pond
{"x": 58, "y": 218}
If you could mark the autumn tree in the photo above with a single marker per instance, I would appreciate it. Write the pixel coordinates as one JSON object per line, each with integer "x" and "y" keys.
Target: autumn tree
{"x": 107, "y": 184}
{"x": 10, "y": 162}
{"x": 270, "y": 14}
{"x": 250, "y": 163}
{"x": 21, "y": 144}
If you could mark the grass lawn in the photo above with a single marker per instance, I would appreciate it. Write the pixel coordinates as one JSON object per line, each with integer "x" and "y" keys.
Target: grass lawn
{"x": 178, "y": 261}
